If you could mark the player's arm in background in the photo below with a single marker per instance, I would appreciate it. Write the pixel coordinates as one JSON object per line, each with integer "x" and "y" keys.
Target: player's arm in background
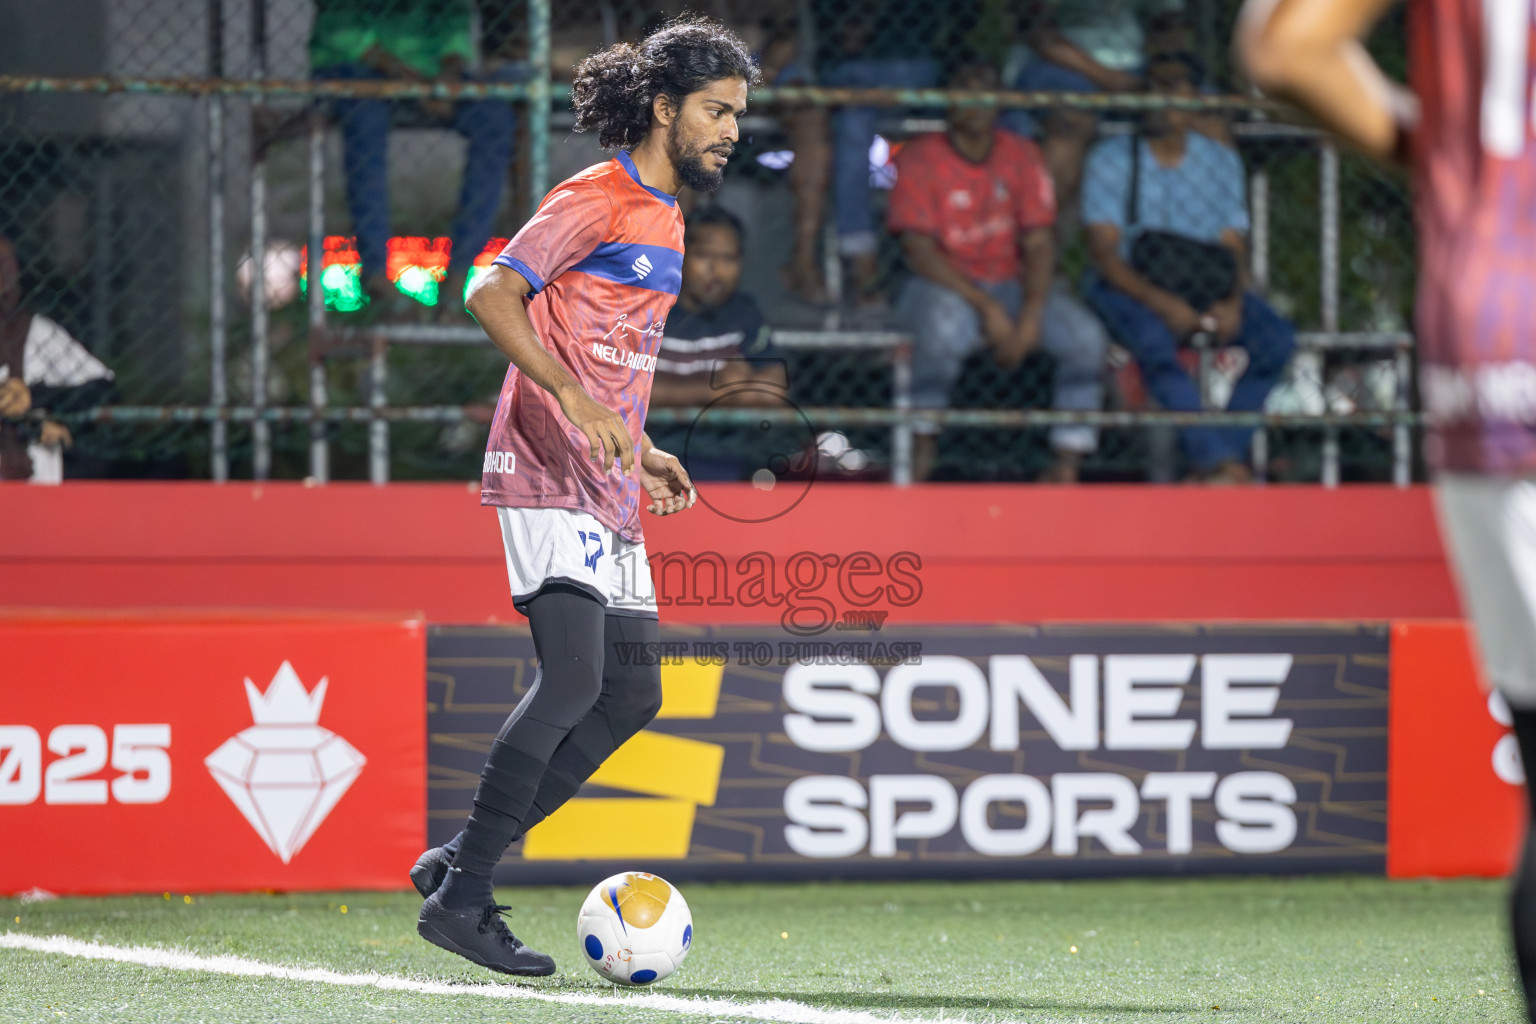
{"x": 1309, "y": 52}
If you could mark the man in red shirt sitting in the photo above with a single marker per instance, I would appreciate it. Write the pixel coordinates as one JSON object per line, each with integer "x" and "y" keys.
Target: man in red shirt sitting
{"x": 968, "y": 202}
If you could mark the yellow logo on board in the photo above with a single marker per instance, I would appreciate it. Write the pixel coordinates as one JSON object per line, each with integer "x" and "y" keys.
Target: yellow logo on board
{"x": 677, "y": 776}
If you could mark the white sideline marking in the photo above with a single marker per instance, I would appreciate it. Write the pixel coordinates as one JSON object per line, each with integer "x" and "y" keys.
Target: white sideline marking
{"x": 777, "y": 1011}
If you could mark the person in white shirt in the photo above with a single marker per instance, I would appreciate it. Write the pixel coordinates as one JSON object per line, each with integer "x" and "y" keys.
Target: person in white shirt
{"x": 40, "y": 366}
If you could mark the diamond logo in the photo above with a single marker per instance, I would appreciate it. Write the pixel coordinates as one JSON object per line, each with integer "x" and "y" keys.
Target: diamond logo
{"x": 285, "y": 773}
{"x": 642, "y": 266}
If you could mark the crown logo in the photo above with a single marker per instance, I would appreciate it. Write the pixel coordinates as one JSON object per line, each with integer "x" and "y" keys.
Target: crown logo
{"x": 285, "y": 772}
{"x": 286, "y": 702}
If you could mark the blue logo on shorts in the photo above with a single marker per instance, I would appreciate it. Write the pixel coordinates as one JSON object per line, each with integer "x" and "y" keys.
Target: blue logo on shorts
{"x": 591, "y": 539}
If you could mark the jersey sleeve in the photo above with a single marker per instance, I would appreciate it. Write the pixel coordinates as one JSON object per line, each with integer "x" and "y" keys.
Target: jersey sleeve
{"x": 569, "y": 224}
{"x": 912, "y": 203}
{"x": 1034, "y": 194}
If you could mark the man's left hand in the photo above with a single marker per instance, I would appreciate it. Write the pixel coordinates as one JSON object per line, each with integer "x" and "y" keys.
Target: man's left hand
{"x": 666, "y": 481}
{"x": 1025, "y": 337}
{"x": 1228, "y": 314}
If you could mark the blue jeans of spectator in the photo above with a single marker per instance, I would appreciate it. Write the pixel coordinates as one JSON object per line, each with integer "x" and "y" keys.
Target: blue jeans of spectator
{"x": 487, "y": 124}
{"x": 1268, "y": 338}
{"x": 853, "y": 129}
{"x": 946, "y": 328}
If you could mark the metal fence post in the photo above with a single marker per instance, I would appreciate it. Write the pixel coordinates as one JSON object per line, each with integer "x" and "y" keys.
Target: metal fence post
{"x": 901, "y": 399}
{"x": 1402, "y": 436}
{"x": 1258, "y": 242}
{"x": 1330, "y": 456}
{"x": 218, "y": 340}
{"x": 319, "y": 443}
{"x": 261, "y": 430}
{"x": 1329, "y": 283}
{"x": 378, "y": 426}
{"x": 538, "y": 103}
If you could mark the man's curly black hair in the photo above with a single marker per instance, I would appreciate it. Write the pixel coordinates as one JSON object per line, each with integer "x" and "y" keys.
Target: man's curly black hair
{"x": 614, "y": 88}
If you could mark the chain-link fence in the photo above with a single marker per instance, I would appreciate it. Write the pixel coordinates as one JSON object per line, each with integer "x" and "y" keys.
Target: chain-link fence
{"x": 387, "y": 148}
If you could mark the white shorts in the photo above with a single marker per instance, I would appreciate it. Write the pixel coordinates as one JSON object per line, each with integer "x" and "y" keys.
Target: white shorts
{"x": 550, "y": 545}
{"x": 1489, "y": 526}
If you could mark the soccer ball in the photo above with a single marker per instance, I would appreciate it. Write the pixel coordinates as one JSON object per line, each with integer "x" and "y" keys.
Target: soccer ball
{"x": 634, "y": 928}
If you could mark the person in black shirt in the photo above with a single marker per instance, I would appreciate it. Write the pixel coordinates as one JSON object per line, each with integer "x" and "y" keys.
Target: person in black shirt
{"x": 716, "y": 348}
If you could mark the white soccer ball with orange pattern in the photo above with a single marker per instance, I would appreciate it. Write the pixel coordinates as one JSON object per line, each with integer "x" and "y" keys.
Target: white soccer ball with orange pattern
{"x": 634, "y": 928}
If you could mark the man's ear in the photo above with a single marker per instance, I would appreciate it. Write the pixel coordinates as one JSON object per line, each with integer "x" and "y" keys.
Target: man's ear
{"x": 664, "y": 109}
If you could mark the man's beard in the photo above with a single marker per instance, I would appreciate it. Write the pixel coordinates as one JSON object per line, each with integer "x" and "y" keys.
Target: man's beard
{"x": 690, "y": 164}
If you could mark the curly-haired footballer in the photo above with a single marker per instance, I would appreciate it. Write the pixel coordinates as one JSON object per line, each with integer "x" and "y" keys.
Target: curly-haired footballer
{"x": 577, "y": 301}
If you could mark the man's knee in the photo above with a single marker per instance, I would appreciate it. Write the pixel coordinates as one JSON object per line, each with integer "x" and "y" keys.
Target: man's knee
{"x": 1271, "y": 338}
{"x": 1075, "y": 338}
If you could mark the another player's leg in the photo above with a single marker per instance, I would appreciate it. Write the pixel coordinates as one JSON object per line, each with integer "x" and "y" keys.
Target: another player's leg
{"x": 1522, "y": 904}
{"x": 462, "y": 915}
{"x": 1489, "y": 526}
{"x": 630, "y": 698}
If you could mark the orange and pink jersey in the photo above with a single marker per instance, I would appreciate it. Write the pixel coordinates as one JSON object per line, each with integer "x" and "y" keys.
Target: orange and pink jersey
{"x": 1473, "y": 65}
{"x": 604, "y": 258}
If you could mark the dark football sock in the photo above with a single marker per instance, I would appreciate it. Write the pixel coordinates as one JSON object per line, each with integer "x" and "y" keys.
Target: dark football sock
{"x": 567, "y": 627}
{"x": 630, "y": 698}
{"x": 1523, "y": 898}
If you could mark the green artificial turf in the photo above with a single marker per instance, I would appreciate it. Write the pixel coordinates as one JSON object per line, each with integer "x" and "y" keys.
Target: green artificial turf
{"x": 1244, "y": 949}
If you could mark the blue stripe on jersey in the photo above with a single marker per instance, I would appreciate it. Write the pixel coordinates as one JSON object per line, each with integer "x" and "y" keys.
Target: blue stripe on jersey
{"x": 535, "y": 282}
{"x": 640, "y": 266}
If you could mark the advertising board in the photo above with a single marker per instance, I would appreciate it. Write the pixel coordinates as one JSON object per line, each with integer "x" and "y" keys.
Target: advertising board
{"x": 188, "y": 753}
{"x": 1011, "y": 751}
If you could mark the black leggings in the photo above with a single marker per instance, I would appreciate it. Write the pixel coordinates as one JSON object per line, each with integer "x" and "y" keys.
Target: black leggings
{"x": 584, "y": 704}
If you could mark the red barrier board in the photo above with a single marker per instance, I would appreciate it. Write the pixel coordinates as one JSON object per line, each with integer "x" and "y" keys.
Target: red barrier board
{"x": 977, "y": 553}
{"x": 1454, "y": 796}
{"x": 193, "y": 752}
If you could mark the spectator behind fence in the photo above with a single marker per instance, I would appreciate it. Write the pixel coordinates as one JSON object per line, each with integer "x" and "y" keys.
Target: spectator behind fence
{"x": 715, "y": 347}
{"x": 1166, "y": 215}
{"x": 966, "y": 201}
{"x": 880, "y": 45}
{"x": 41, "y": 367}
{"x": 808, "y": 131}
{"x": 420, "y": 41}
{"x": 1080, "y": 46}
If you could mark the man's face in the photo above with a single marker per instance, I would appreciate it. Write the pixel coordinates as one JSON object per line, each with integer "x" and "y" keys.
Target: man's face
{"x": 701, "y": 137}
{"x": 712, "y": 265}
{"x": 1169, "y": 78}
{"x": 973, "y": 120}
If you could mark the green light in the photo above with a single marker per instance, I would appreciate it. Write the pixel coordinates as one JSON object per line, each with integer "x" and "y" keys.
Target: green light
{"x": 343, "y": 286}
{"x": 419, "y": 283}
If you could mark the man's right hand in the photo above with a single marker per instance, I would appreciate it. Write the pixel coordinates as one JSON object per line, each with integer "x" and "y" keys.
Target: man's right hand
{"x": 1180, "y": 316}
{"x": 15, "y": 399}
{"x": 605, "y": 429}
